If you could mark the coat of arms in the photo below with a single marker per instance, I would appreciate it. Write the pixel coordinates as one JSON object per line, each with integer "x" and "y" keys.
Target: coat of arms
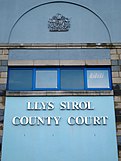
{"x": 58, "y": 23}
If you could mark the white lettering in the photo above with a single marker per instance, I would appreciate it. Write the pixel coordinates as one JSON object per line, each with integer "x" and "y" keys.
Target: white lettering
{"x": 51, "y": 106}
{"x": 16, "y": 121}
{"x": 24, "y": 120}
{"x": 76, "y": 106}
{"x": 40, "y": 120}
{"x": 63, "y": 105}
{"x": 35, "y": 120}
{"x": 71, "y": 120}
{"x": 80, "y": 120}
{"x": 32, "y": 121}
{"x": 40, "y": 105}
{"x": 96, "y": 120}
{"x": 43, "y": 105}
{"x": 104, "y": 120}
{"x": 56, "y": 119}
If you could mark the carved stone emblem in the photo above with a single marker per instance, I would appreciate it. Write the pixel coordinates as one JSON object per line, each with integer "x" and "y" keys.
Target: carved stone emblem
{"x": 58, "y": 23}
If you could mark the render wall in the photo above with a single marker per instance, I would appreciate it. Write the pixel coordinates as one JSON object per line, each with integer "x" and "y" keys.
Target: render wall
{"x": 91, "y": 21}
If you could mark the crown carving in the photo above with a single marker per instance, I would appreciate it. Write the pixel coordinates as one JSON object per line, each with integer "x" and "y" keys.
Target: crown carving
{"x": 58, "y": 23}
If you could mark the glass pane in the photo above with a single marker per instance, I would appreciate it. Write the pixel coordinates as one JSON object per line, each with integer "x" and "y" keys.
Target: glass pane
{"x": 98, "y": 79}
{"x": 20, "y": 79}
{"x": 72, "y": 79}
{"x": 46, "y": 79}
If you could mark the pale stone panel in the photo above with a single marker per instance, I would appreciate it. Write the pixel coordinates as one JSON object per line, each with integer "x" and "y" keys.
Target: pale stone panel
{"x": 1, "y": 52}
{"x": 20, "y": 62}
{"x": 119, "y": 51}
{"x": 3, "y": 74}
{"x": 119, "y": 74}
{"x": 45, "y": 62}
{"x": 118, "y": 105}
{"x": 114, "y": 57}
{"x": 1, "y": 99}
{"x": 2, "y": 106}
{"x": 3, "y": 57}
{"x": 72, "y": 62}
{"x": 119, "y": 125}
{"x": 3, "y": 80}
{"x": 5, "y": 52}
{"x": 119, "y": 155}
{"x": 118, "y": 132}
{"x": 115, "y": 74}
{"x": 1, "y": 132}
{"x": 113, "y": 51}
{"x": 98, "y": 62}
{"x": 117, "y": 80}
{"x": 117, "y": 98}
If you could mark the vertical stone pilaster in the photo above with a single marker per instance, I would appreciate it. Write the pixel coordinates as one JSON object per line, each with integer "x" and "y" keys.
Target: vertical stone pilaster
{"x": 116, "y": 78}
{"x": 3, "y": 81}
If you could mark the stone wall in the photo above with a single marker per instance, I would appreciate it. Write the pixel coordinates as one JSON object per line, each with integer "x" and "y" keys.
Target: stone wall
{"x": 116, "y": 78}
{"x": 3, "y": 81}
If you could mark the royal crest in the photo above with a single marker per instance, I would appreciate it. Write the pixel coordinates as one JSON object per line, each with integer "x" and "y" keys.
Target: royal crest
{"x": 58, "y": 23}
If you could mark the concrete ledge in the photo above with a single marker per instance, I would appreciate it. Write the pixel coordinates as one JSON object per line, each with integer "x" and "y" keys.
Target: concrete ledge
{"x": 72, "y": 62}
{"x": 98, "y": 62}
{"x": 59, "y": 45}
{"x": 59, "y": 93}
{"x": 45, "y": 62}
{"x": 57, "y": 62}
{"x": 33, "y": 62}
{"x": 20, "y": 63}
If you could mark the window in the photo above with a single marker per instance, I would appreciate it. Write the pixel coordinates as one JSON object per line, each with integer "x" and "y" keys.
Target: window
{"x": 20, "y": 79}
{"x": 46, "y": 78}
{"x": 72, "y": 79}
{"x": 67, "y": 78}
{"x": 98, "y": 78}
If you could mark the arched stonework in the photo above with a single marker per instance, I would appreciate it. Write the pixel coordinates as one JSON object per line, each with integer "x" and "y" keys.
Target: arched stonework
{"x": 85, "y": 25}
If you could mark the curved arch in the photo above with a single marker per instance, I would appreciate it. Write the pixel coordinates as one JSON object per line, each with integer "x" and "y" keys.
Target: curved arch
{"x": 52, "y": 2}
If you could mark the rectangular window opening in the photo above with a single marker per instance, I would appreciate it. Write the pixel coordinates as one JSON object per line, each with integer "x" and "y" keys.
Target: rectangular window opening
{"x": 98, "y": 78}
{"x": 46, "y": 79}
{"x": 72, "y": 79}
{"x": 58, "y": 78}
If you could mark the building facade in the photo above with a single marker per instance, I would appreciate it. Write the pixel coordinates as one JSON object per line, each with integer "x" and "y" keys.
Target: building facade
{"x": 60, "y": 80}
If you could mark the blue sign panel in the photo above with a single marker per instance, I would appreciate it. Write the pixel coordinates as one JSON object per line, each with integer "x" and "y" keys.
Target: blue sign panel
{"x": 59, "y": 129}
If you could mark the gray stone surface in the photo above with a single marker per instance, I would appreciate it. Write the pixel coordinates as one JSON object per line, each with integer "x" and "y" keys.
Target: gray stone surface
{"x": 4, "y": 62}
{"x": 2, "y": 86}
{"x": 3, "y": 68}
{"x": 114, "y": 62}
{"x": 115, "y": 68}
{"x": 60, "y": 54}
{"x": 60, "y": 93}
{"x": 119, "y": 62}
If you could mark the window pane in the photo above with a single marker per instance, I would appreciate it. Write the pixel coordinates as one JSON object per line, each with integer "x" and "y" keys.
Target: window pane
{"x": 98, "y": 79}
{"x": 46, "y": 79}
{"x": 72, "y": 79}
{"x": 20, "y": 79}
